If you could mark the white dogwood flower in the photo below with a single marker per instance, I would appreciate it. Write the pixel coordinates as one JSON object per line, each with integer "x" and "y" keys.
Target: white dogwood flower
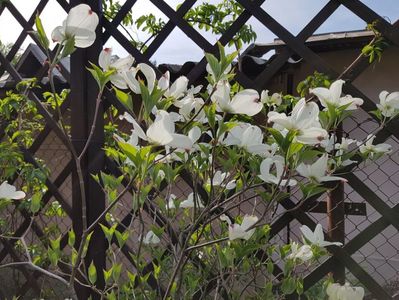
{"x": 389, "y": 103}
{"x": 332, "y": 96}
{"x": 335, "y": 291}
{"x": 8, "y": 191}
{"x": 189, "y": 202}
{"x": 219, "y": 179}
{"x": 316, "y": 237}
{"x": 266, "y": 176}
{"x": 370, "y": 149}
{"x": 245, "y": 102}
{"x": 249, "y": 137}
{"x": 274, "y": 100}
{"x": 240, "y": 231}
{"x": 304, "y": 119}
{"x": 178, "y": 88}
{"x": 171, "y": 202}
{"x": 344, "y": 145}
{"x": 137, "y": 130}
{"x": 80, "y": 24}
{"x": 151, "y": 238}
{"x": 191, "y": 105}
{"x": 134, "y": 83}
{"x": 318, "y": 171}
{"x": 302, "y": 253}
{"x": 162, "y": 132}
{"x": 108, "y": 62}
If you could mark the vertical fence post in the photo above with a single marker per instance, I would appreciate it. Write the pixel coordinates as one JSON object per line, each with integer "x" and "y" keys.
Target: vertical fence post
{"x": 336, "y": 217}
{"x": 84, "y": 92}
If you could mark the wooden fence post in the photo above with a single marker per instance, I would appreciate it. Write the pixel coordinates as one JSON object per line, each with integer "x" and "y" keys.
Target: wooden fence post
{"x": 84, "y": 92}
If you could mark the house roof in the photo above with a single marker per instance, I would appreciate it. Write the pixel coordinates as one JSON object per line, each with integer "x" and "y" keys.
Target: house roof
{"x": 29, "y": 64}
{"x": 319, "y": 42}
{"x": 253, "y": 62}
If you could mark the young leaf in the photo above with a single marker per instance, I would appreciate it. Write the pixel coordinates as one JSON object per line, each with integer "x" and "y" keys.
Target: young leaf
{"x": 92, "y": 273}
{"x": 124, "y": 98}
{"x": 69, "y": 47}
{"x": 71, "y": 238}
{"x": 41, "y": 34}
{"x": 35, "y": 202}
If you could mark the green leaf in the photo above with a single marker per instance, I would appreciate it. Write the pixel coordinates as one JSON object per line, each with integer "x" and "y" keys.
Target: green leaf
{"x": 130, "y": 151}
{"x": 278, "y": 137}
{"x": 41, "y": 34}
{"x": 132, "y": 277}
{"x": 102, "y": 78}
{"x": 107, "y": 274}
{"x": 157, "y": 270}
{"x": 86, "y": 244}
{"x": 53, "y": 256}
{"x": 92, "y": 273}
{"x": 309, "y": 154}
{"x": 299, "y": 286}
{"x": 35, "y": 202}
{"x": 288, "y": 285}
{"x": 111, "y": 296}
{"x": 293, "y": 149}
{"x": 69, "y": 47}
{"x": 121, "y": 237}
{"x": 108, "y": 232}
{"x": 270, "y": 267}
{"x": 116, "y": 272}
{"x": 71, "y": 238}
{"x": 74, "y": 256}
{"x": 214, "y": 64}
{"x": 124, "y": 98}
{"x": 147, "y": 99}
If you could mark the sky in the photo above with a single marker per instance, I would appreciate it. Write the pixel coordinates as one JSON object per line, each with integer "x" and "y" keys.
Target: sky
{"x": 178, "y": 48}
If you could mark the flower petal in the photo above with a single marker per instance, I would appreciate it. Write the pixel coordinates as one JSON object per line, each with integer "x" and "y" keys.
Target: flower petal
{"x": 104, "y": 59}
{"x": 82, "y": 16}
{"x": 246, "y": 102}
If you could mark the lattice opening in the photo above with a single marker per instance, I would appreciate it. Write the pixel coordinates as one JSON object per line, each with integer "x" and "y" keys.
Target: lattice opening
{"x": 293, "y": 15}
{"x": 52, "y": 15}
{"x": 169, "y": 51}
{"x": 54, "y": 153}
{"x": 8, "y": 21}
{"x": 26, "y": 8}
{"x": 342, "y": 20}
